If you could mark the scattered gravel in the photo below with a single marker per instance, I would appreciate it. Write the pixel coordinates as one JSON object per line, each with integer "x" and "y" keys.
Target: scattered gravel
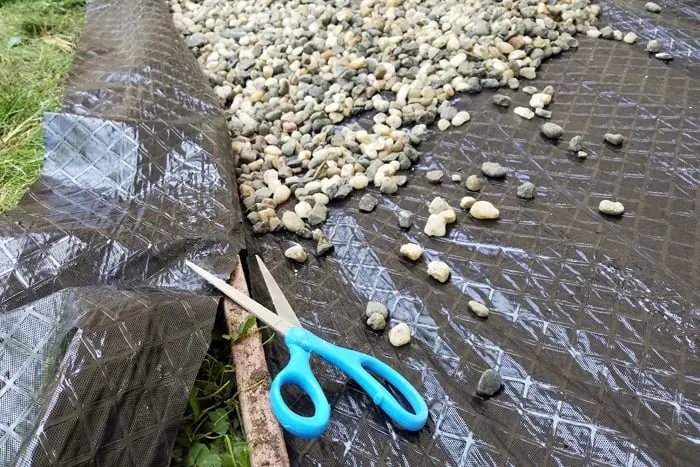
{"x": 290, "y": 74}
{"x": 411, "y": 251}
{"x": 653, "y": 47}
{"x": 489, "y": 383}
{"x": 474, "y": 183}
{"x": 612, "y": 208}
{"x": 616, "y": 139}
{"x": 552, "y": 130}
{"x": 376, "y": 308}
{"x": 653, "y": 7}
{"x": 484, "y": 210}
{"x": 524, "y": 112}
{"x": 405, "y": 219}
{"x": 439, "y": 271}
{"x": 324, "y": 245}
{"x": 368, "y": 203}
{"x": 435, "y": 176}
{"x": 576, "y": 143}
{"x": 493, "y": 170}
{"x": 400, "y": 335}
{"x": 296, "y": 253}
{"x": 501, "y": 100}
{"x": 479, "y": 309}
{"x": 376, "y": 322}
{"x": 467, "y": 202}
{"x": 664, "y": 56}
{"x": 526, "y": 190}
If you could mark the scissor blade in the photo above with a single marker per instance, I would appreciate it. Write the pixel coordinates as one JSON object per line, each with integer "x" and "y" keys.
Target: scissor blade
{"x": 273, "y": 320}
{"x": 282, "y": 306}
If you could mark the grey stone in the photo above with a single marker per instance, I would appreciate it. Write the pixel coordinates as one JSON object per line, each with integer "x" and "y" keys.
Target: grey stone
{"x": 653, "y": 47}
{"x": 501, "y": 100}
{"x": 376, "y": 322}
{"x": 552, "y": 130}
{"x": 616, "y": 139}
{"x": 368, "y": 203}
{"x": 318, "y": 214}
{"x": 493, "y": 170}
{"x": 323, "y": 246}
{"x": 653, "y": 7}
{"x": 435, "y": 176}
{"x": 526, "y": 190}
{"x": 376, "y": 308}
{"x": 197, "y": 39}
{"x": 489, "y": 384}
{"x": 405, "y": 219}
{"x": 576, "y": 144}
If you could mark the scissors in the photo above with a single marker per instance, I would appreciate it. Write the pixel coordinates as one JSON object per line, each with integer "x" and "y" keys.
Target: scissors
{"x": 301, "y": 344}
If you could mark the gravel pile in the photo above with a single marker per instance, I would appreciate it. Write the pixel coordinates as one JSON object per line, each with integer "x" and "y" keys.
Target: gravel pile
{"x": 288, "y": 73}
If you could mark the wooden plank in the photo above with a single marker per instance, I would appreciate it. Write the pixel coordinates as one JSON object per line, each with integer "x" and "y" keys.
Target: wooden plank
{"x": 253, "y": 381}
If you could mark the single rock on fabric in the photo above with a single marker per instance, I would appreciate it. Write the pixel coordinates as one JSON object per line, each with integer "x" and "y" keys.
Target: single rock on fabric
{"x": 368, "y": 203}
{"x": 484, "y": 210}
{"x": 501, "y": 100}
{"x": 489, "y": 383}
{"x": 629, "y": 38}
{"x": 389, "y": 186}
{"x": 405, "y": 219}
{"x": 653, "y": 7}
{"x": 437, "y": 205}
{"x": 474, "y": 183}
{"x": 467, "y": 202}
{"x": 493, "y": 170}
{"x": 552, "y": 130}
{"x": 666, "y": 57}
{"x": 479, "y": 309}
{"x": 443, "y": 124}
{"x": 611, "y": 208}
{"x": 526, "y": 190}
{"x": 582, "y": 154}
{"x": 400, "y": 335}
{"x": 616, "y": 139}
{"x": 436, "y": 226}
{"x": 540, "y": 100}
{"x": 576, "y": 144}
{"x": 461, "y": 118}
{"x": 524, "y": 112}
{"x": 439, "y": 271}
{"x": 653, "y": 47}
{"x": 296, "y": 253}
{"x": 543, "y": 113}
{"x": 376, "y": 322}
{"x": 530, "y": 90}
{"x": 376, "y": 308}
{"x": 324, "y": 245}
{"x": 456, "y": 178}
{"x": 434, "y": 176}
{"x": 411, "y": 251}
{"x": 292, "y": 221}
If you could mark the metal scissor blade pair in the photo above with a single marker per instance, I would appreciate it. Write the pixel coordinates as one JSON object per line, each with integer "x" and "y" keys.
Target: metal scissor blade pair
{"x": 282, "y": 306}
{"x": 277, "y": 322}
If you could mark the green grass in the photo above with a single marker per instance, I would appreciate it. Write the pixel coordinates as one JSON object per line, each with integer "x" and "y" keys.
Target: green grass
{"x": 35, "y": 58}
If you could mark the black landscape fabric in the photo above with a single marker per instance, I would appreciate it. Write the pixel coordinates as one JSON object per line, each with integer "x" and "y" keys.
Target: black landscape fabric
{"x": 594, "y": 320}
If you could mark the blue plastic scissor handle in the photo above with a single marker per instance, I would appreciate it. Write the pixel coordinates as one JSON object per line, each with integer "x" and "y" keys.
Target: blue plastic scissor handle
{"x": 355, "y": 364}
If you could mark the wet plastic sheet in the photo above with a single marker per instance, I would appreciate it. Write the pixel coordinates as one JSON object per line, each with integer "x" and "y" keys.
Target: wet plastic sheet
{"x": 102, "y": 327}
{"x": 594, "y": 323}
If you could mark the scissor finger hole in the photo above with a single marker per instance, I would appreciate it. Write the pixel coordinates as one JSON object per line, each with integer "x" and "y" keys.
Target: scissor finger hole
{"x": 296, "y": 399}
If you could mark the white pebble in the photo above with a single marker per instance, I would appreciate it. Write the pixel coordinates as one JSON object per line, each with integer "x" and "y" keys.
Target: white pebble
{"x": 484, "y": 210}
{"x": 303, "y": 209}
{"x": 467, "y": 202}
{"x": 630, "y": 38}
{"x": 296, "y": 253}
{"x": 443, "y": 124}
{"x": 439, "y": 271}
{"x": 437, "y": 205}
{"x": 540, "y": 100}
{"x": 411, "y": 251}
{"x": 281, "y": 194}
{"x": 461, "y": 118}
{"x": 524, "y": 112}
{"x": 612, "y": 208}
{"x": 400, "y": 335}
{"x": 436, "y": 226}
{"x": 479, "y": 309}
{"x": 359, "y": 181}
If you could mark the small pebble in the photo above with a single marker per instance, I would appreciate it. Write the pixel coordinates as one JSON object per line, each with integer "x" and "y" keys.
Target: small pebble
{"x": 479, "y": 309}
{"x": 543, "y": 113}
{"x": 493, "y": 170}
{"x": 317, "y": 234}
{"x": 630, "y": 38}
{"x": 437, "y": 205}
{"x": 400, "y": 335}
{"x": 524, "y": 112}
{"x": 436, "y": 226}
{"x": 368, "y": 203}
{"x": 389, "y": 186}
{"x": 434, "y": 176}
{"x": 616, "y": 139}
{"x": 296, "y": 253}
{"x": 664, "y": 56}
{"x": 576, "y": 143}
{"x": 653, "y": 7}
{"x": 449, "y": 215}
{"x": 582, "y": 154}
{"x": 405, "y": 219}
{"x": 376, "y": 322}
{"x": 302, "y": 209}
{"x": 611, "y": 208}
{"x": 474, "y": 183}
{"x": 484, "y": 210}
{"x": 292, "y": 221}
{"x": 443, "y": 124}
{"x": 359, "y": 181}
{"x": 411, "y": 251}
{"x": 653, "y": 46}
{"x": 617, "y": 35}
{"x": 552, "y": 130}
{"x": 439, "y": 271}
{"x": 529, "y": 90}
{"x": 467, "y": 202}
{"x": 318, "y": 214}
{"x": 501, "y": 100}
{"x": 461, "y": 118}
{"x": 540, "y": 100}
{"x": 526, "y": 190}
{"x": 376, "y": 308}
{"x": 489, "y": 383}
{"x": 324, "y": 245}
{"x": 549, "y": 90}
{"x": 456, "y": 178}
